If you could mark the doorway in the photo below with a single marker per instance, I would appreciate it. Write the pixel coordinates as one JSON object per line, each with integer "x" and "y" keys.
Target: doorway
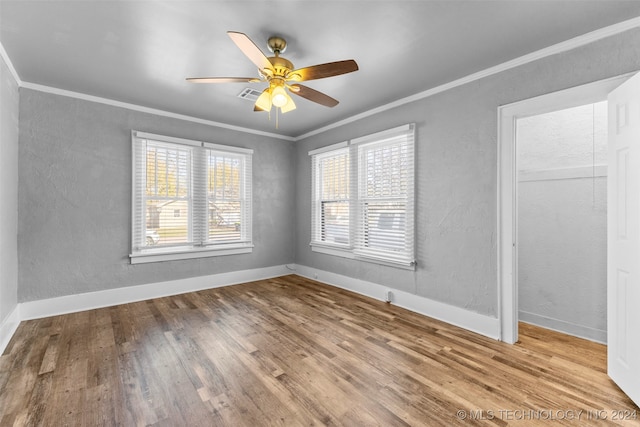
{"x": 623, "y": 219}
{"x": 507, "y": 217}
{"x": 561, "y": 223}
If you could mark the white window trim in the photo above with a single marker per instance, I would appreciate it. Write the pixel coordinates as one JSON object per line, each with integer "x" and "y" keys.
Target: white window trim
{"x": 333, "y": 250}
{"x": 320, "y": 154}
{"x": 185, "y": 252}
{"x": 382, "y": 135}
{"x": 188, "y": 253}
{"x": 350, "y": 252}
{"x": 328, "y": 148}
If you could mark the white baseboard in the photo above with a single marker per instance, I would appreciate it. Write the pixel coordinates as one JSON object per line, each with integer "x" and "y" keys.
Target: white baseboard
{"x": 591, "y": 334}
{"x": 90, "y": 300}
{"x": 475, "y": 322}
{"x": 8, "y": 327}
{"x": 466, "y": 319}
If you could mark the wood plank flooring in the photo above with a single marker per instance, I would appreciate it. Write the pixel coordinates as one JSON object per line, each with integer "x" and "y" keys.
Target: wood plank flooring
{"x": 293, "y": 352}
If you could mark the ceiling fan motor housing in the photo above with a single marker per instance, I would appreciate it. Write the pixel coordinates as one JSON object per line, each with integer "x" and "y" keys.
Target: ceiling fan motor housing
{"x": 277, "y": 45}
{"x": 281, "y": 66}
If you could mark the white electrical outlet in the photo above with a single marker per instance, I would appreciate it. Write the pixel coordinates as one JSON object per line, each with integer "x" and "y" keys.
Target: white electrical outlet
{"x": 388, "y": 296}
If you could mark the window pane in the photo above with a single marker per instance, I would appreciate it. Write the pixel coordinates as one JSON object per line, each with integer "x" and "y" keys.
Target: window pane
{"x": 224, "y": 221}
{"x": 385, "y": 226}
{"x": 387, "y": 171}
{"x": 333, "y": 180}
{"x": 167, "y": 172}
{"x": 167, "y": 203}
{"x": 335, "y": 177}
{"x": 167, "y": 222}
{"x": 225, "y": 197}
{"x": 385, "y": 192}
{"x": 224, "y": 177}
{"x": 335, "y": 222}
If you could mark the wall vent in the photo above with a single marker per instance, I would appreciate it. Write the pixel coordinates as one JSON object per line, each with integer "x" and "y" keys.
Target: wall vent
{"x": 249, "y": 94}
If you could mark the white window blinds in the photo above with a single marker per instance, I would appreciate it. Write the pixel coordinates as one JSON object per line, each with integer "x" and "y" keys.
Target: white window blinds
{"x": 189, "y": 195}
{"x": 385, "y": 226}
{"x": 228, "y": 197}
{"x": 330, "y": 204}
{"x": 363, "y": 197}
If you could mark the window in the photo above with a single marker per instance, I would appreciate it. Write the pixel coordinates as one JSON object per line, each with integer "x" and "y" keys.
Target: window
{"x": 331, "y": 201}
{"x": 190, "y": 199}
{"x": 363, "y": 198}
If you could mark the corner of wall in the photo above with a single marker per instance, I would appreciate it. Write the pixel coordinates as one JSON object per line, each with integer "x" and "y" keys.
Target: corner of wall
{"x": 8, "y": 327}
{"x": 106, "y": 298}
{"x": 9, "y": 111}
{"x": 469, "y": 320}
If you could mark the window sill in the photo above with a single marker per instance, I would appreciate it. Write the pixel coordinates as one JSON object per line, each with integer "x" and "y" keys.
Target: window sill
{"x": 172, "y": 254}
{"x": 349, "y": 254}
{"x": 335, "y": 251}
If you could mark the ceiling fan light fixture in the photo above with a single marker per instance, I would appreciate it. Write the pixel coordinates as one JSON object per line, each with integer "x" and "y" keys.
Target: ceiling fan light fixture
{"x": 264, "y": 100}
{"x": 279, "y": 96}
{"x": 277, "y": 72}
{"x": 289, "y": 106}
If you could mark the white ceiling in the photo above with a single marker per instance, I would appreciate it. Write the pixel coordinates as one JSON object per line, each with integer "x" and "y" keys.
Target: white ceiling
{"x": 140, "y": 52}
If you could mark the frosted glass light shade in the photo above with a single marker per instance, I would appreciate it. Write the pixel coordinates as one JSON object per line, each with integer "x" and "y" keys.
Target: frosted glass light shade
{"x": 279, "y": 97}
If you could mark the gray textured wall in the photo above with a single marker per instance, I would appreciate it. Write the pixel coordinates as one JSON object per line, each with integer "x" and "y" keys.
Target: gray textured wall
{"x": 562, "y": 255}
{"x": 457, "y": 173}
{"x": 74, "y": 186}
{"x": 562, "y": 223}
{"x": 9, "y": 108}
{"x": 75, "y": 198}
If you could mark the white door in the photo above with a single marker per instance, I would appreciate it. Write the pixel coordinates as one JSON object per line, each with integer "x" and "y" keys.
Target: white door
{"x": 623, "y": 213}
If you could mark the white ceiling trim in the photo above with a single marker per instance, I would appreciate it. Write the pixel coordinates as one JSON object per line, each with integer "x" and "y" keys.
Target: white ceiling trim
{"x": 534, "y": 56}
{"x": 525, "y": 59}
{"x": 7, "y": 60}
{"x": 100, "y": 100}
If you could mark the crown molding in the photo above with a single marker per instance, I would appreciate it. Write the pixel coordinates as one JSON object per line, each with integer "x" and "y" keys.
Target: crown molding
{"x": 7, "y": 60}
{"x": 140, "y": 108}
{"x": 565, "y": 46}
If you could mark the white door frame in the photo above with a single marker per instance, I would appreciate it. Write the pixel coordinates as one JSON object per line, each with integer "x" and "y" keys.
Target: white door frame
{"x": 507, "y": 212}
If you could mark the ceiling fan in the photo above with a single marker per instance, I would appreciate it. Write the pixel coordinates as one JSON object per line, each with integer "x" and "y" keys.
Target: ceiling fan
{"x": 280, "y": 74}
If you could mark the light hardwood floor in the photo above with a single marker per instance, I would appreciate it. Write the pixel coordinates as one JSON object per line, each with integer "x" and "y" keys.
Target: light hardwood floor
{"x": 293, "y": 352}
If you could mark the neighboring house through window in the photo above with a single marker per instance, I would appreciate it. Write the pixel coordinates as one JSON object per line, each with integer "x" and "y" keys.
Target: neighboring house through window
{"x": 363, "y": 198}
{"x": 190, "y": 199}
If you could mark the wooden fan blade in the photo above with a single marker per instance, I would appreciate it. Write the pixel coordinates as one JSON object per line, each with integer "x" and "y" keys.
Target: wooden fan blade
{"x": 313, "y": 95}
{"x": 322, "y": 71}
{"x": 223, "y": 80}
{"x": 250, "y": 49}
